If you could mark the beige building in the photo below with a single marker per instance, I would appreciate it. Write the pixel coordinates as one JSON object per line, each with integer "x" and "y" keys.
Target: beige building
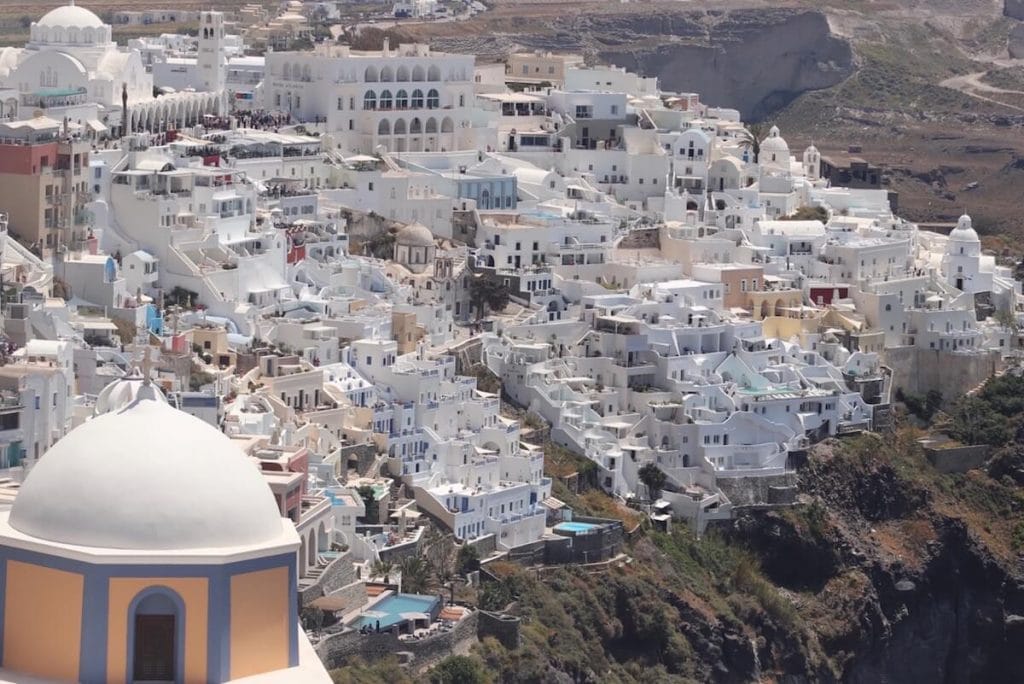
{"x": 406, "y": 331}
{"x": 43, "y": 182}
{"x": 737, "y": 279}
{"x": 540, "y": 67}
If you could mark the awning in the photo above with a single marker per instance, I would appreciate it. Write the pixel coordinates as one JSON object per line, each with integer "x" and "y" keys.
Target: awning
{"x": 552, "y": 503}
{"x": 332, "y": 603}
{"x": 96, "y": 126}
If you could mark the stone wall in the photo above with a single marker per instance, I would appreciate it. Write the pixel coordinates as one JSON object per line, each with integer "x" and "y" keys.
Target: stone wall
{"x": 337, "y": 649}
{"x": 749, "y": 491}
{"x": 399, "y": 552}
{"x": 485, "y": 545}
{"x": 504, "y": 628}
{"x": 339, "y": 573}
{"x": 643, "y": 238}
{"x": 1014, "y": 9}
{"x": 957, "y": 459}
{"x": 919, "y": 371}
{"x": 362, "y": 456}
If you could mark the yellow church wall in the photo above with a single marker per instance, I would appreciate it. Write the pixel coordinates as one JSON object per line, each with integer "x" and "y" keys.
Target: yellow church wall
{"x": 259, "y": 622}
{"x": 783, "y": 328}
{"x": 193, "y": 592}
{"x": 48, "y": 647}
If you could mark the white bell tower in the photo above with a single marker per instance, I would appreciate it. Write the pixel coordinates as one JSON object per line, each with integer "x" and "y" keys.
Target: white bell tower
{"x": 212, "y": 61}
{"x": 812, "y": 163}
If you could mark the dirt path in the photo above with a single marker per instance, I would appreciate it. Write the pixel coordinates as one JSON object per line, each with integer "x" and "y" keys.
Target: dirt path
{"x": 972, "y": 86}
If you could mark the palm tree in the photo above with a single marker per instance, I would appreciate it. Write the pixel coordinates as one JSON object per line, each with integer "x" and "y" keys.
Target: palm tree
{"x": 383, "y": 568}
{"x": 415, "y": 575}
{"x": 751, "y": 138}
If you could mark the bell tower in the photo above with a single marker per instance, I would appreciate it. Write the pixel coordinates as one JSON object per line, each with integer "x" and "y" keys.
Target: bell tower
{"x": 212, "y": 60}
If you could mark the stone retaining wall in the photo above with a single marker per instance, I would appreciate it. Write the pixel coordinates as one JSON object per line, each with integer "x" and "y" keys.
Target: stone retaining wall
{"x": 504, "y": 628}
{"x": 337, "y": 649}
{"x": 339, "y": 573}
{"x": 957, "y": 459}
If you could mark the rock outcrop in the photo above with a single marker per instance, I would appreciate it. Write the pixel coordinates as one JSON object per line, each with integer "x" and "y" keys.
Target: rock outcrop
{"x": 756, "y": 62}
{"x": 752, "y": 60}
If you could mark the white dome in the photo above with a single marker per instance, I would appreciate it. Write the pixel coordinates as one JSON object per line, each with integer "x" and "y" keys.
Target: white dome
{"x": 415, "y": 235}
{"x": 147, "y": 477}
{"x": 964, "y": 231}
{"x": 122, "y": 393}
{"x": 70, "y": 16}
{"x": 774, "y": 142}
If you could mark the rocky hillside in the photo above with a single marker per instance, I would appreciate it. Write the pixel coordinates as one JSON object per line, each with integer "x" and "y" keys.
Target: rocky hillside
{"x": 887, "y": 572}
{"x": 755, "y": 60}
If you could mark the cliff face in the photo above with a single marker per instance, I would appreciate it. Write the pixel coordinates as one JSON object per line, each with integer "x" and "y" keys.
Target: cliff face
{"x": 755, "y": 62}
{"x": 896, "y": 581}
{"x": 752, "y": 60}
{"x": 887, "y": 572}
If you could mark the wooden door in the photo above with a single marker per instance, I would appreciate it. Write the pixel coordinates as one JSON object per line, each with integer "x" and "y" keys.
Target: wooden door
{"x": 154, "y": 648}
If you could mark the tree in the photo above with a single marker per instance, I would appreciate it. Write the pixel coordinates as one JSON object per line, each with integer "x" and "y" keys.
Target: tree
{"x": 1008, "y": 320}
{"x": 1008, "y": 462}
{"x": 468, "y": 558}
{"x": 369, "y": 498}
{"x": 974, "y": 421}
{"x": 381, "y": 245}
{"x": 383, "y": 568}
{"x": 458, "y": 670}
{"x": 494, "y": 596}
{"x": 487, "y": 293}
{"x": 751, "y": 138}
{"x": 653, "y": 478}
{"x": 807, "y": 214}
{"x": 415, "y": 575}
{"x": 313, "y": 619}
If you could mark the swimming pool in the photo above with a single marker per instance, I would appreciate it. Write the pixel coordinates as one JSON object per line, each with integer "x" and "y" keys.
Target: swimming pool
{"x": 388, "y": 611}
{"x": 575, "y": 527}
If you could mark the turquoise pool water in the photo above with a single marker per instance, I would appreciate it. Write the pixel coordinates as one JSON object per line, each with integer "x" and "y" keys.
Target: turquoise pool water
{"x": 575, "y": 527}
{"x": 389, "y": 610}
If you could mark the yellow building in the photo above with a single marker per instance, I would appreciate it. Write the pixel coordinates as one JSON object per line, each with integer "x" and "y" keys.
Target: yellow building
{"x": 144, "y": 546}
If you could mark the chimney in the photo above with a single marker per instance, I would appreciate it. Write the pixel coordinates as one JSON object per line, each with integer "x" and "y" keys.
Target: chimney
{"x": 387, "y": 46}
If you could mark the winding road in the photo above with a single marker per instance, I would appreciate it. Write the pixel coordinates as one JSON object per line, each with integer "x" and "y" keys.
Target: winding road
{"x": 972, "y": 86}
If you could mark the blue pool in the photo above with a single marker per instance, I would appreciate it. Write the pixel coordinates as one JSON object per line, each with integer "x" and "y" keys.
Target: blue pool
{"x": 388, "y": 611}
{"x": 575, "y": 527}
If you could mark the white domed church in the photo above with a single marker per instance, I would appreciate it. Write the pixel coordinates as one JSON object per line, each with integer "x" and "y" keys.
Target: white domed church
{"x": 145, "y": 546}
{"x": 72, "y": 67}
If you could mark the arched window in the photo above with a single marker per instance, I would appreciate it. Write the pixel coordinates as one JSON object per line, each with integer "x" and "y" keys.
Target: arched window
{"x": 418, "y": 73}
{"x": 400, "y": 127}
{"x": 384, "y": 127}
{"x": 370, "y": 75}
{"x": 433, "y": 101}
{"x": 447, "y": 126}
{"x": 370, "y": 100}
{"x": 387, "y": 74}
{"x": 401, "y": 99}
{"x": 385, "y": 100}
{"x": 156, "y": 621}
{"x": 431, "y": 125}
{"x": 416, "y": 127}
{"x": 417, "y": 99}
{"x": 402, "y": 75}
{"x": 434, "y": 73}
{"x": 286, "y": 71}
